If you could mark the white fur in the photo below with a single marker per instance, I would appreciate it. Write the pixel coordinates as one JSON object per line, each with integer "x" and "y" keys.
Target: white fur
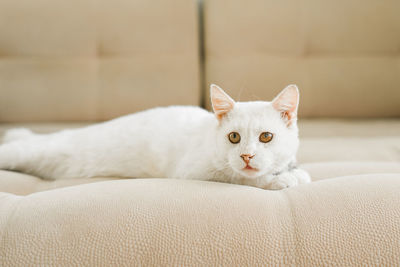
{"x": 16, "y": 134}
{"x": 181, "y": 142}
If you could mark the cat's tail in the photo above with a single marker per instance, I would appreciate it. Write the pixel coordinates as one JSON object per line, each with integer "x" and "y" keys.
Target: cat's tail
{"x": 17, "y": 134}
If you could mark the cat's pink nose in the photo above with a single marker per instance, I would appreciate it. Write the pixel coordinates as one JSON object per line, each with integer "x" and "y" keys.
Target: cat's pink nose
{"x": 246, "y": 157}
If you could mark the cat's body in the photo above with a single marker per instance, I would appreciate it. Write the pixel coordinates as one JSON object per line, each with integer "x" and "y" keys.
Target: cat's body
{"x": 175, "y": 142}
{"x": 144, "y": 144}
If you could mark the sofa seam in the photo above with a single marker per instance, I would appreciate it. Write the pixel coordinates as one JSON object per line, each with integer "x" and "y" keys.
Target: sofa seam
{"x": 201, "y": 53}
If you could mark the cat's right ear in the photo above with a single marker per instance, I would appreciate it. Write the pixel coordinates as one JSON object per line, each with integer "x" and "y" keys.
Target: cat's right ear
{"x": 221, "y": 102}
{"x": 287, "y": 103}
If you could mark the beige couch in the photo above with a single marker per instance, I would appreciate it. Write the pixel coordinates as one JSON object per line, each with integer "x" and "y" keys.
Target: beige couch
{"x": 64, "y": 63}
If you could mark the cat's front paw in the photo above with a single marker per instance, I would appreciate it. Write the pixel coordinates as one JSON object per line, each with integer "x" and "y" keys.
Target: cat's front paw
{"x": 289, "y": 179}
{"x": 282, "y": 182}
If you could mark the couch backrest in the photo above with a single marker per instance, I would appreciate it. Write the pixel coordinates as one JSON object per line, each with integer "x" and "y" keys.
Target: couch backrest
{"x": 344, "y": 55}
{"x": 94, "y": 60}
{"x": 82, "y": 60}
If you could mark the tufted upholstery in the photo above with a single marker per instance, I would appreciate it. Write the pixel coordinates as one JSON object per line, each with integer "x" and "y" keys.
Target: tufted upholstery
{"x": 94, "y": 60}
{"x": 344, "y": 55}
{"x": 158, "y": 222}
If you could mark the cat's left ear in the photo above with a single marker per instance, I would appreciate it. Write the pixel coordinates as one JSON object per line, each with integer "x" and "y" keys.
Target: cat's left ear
{"x": 221, "y": 102}
{"x": 287, "y": 103}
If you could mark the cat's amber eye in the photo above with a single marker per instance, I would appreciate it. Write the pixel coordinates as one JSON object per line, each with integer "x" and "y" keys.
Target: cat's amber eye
{"x": 266, "y": 137}
{"x": 234, "y": 137}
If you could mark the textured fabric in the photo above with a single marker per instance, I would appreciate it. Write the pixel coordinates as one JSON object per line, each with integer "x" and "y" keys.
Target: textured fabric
{"x": 327, "y": 141}
{"x": 91, "y": 60}
{"x": 343, "y": 55}
{"x": 364, "y": 128}
{"x": 157, "y": 222}
{"x": 334, "y": 169}
{"x": 349, "y": 149}
{"x": 24, "y": 184}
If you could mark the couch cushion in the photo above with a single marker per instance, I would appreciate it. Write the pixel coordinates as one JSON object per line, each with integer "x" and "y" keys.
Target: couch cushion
{"x": 349, "y": 140}
{"x": 336, "y": 169}
{"x": 75, "y": 60}
{"x": 346, "y": 67}
{"x": 24, "y": 184}
{"x": 159, "y": 222}
{"x": 363, "y": 128}
{"x": 349, "y": 149}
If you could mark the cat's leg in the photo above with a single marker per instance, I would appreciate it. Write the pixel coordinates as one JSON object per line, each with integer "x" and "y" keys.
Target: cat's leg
{"x": 12, "y": 151}
{"x": 289, "y": 178}
{"x": 27, "y": 155}
{"x": 62, "y": 155}
{"x": 11, "y": 156}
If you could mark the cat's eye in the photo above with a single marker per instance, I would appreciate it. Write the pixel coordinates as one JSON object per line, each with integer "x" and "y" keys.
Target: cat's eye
{"x": 234, "y": 137}
{"x": 266, "y": 137}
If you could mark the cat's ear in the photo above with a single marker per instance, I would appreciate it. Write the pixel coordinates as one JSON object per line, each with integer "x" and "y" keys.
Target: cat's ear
{"x": 221, "y": 102}
{"x": 287, "y": 103}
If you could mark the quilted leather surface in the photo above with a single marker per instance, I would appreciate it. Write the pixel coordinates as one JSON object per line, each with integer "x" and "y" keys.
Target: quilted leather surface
{"x": 157, "y": 222}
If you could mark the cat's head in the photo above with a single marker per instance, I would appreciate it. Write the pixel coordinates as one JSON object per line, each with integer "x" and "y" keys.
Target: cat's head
{"x": 256, "y": 138}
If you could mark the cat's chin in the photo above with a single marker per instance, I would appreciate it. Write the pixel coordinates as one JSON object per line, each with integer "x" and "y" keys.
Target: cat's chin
{"x": 250, "y": 173}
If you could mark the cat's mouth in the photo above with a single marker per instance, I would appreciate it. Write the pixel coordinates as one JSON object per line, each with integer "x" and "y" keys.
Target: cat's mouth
{"x": 248, "y": 168}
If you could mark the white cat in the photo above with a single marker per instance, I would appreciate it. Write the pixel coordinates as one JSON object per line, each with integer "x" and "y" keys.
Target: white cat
{"x": 252, "y": 143}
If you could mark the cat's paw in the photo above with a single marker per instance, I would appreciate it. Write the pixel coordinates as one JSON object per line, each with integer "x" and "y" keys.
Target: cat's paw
{"x": 282, "y": 182}
{"x": 289, "y": 179}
